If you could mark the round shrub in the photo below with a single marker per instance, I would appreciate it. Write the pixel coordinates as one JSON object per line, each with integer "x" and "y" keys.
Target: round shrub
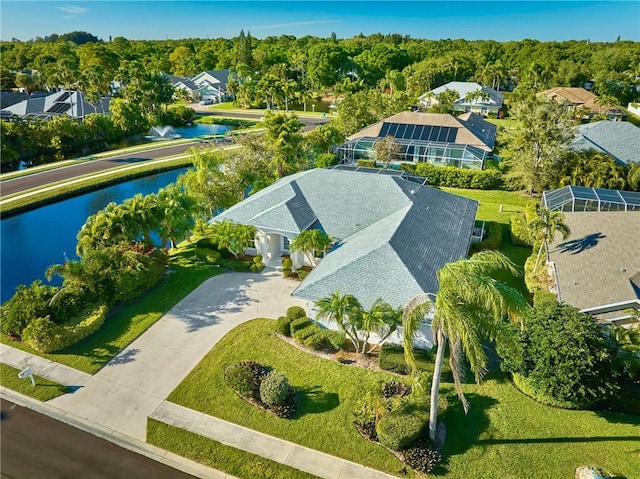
{"x": 27, "y": 304}
{"x": 302, "y": 274}
{"x": 283, "y": 326}
{"x": 245, "y": 378}
{"x": 301, "y": 335}
{"x": 287, "y": 263}
{"x": 397, "y": 430}
{"x": 278, "y": 394}
{"x": 295, "y": 312}
{"x": 257, "y": 259}
{"x": 299, "y": 323}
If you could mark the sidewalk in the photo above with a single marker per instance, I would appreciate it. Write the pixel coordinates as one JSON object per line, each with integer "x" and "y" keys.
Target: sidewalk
{"x": 285, "y": 452}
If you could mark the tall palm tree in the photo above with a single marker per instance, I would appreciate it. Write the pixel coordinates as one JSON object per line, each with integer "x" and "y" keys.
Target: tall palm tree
{"x": 339, "y": 307}
{"x": 545, "y": 228}
{"x": 469, "y": 307}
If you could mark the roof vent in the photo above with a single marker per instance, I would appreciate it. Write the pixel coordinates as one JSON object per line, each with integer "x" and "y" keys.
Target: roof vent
{"x": 623, "y": 270}
{"x": 413, "y": 192}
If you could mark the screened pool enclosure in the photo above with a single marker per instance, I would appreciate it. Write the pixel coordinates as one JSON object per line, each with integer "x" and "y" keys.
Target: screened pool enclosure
{"x": 582, "y": 198}
{"x": 416, "y": 151}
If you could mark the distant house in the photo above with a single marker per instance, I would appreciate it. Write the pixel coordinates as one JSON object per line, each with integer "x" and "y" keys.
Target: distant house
{"x": 436, "y": 138}
{"x": 212, "y": 84}
{"x": 597, "y": 269}
{"x": 619, "y": 139}
{"x": 575, "y": 99}
{"x": 70, "y": 103}
{"x": 184, "y": 84}
{"x": 391, "y": 234}
{"x": 472, "y": 98}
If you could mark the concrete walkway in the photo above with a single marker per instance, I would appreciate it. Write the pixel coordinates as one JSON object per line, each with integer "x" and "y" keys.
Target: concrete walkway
{"x": 134, "y": 385}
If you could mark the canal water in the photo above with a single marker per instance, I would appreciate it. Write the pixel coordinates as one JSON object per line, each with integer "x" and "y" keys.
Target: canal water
{"x": 32, "y": 241}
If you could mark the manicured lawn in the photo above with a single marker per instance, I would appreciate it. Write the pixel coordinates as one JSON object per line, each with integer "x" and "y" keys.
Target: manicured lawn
{"x": 127, "y": 323}
{"x": 490, "y": 201}
{"x": 328, "y": 394}
{"x": 217, "y": 455}
{"x": 42, "y": 391}
{"x": 506, "y": 435}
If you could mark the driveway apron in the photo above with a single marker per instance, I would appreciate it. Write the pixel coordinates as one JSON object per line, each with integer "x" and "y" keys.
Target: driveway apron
{"x": 134, "y": 383}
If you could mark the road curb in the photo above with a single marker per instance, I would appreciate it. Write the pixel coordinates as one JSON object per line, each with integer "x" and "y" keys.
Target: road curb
{"x": 139, "y": 447}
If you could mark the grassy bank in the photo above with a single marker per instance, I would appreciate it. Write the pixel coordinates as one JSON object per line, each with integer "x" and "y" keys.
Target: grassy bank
{"x": 236, "y": 462}
{"x": 131, "y": 320}
{"x": 42, "y": 391}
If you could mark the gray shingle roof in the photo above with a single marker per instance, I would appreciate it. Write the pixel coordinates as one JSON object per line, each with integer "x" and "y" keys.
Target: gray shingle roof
{"x": 464, "y": 88}
{"x": 393, "y": 234}
{"x": 596, "y": 265}
{"x": 620, "y": 139}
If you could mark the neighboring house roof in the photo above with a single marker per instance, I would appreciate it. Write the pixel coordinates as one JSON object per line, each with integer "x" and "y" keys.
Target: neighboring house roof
{"x": 393, "y": 234}
{"x": 181, "y": 82}
{"x": 619, "y": 139}
{"x": 214, "y": 78}
{"x": 64, "y": 102}
{"x": 466, "y": 129}
{"x": 597, "y": 264}
{"x": 464, "y": 88}
{"x": 579, "y": 97}
{"x": 8, "y": 98}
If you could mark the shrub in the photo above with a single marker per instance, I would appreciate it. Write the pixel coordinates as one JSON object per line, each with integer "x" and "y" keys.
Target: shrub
{"x": 278, "y": 395}
{"x": 493, "y": 239}
{"x": 302, "y": 274}
{"x": 544, "y": 297}
{"x": 245, "y": 378}
{"x": 283, "y": 326}
{"x": 27, "y": 304}
{"x": 537, "y": 280}
{"x": 287, "y": 272}
{"x": 257, "y": 259}
{"x": 422, "y": 457}
{"x": 45, "y": 336}
{"x": 341, "y": 357}
{"x": 256, "y": 267}
{"x": 395, "y": 388}
{"x": 397, "y": 430}
{"x": 326, "y": 340}
{"x": 337, "y": 339}
{"x": 287, "y": 263}
{"x": 323, "y": 160}
{"x": 295, "y": 312}
{"x": 299, "y": 323}
{"x": 364, "y": 417}
{"x": 300, "y": 335}
{"x": 366, "y": 163}
{"x": 391, "y": 358}
{"x": 460, "y": 178}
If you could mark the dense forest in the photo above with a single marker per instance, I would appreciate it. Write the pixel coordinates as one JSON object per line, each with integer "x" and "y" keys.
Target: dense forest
{"x": 313, "y": 64}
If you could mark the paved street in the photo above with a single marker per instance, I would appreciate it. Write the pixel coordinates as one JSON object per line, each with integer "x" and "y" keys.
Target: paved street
{"x": 35, "y": 446}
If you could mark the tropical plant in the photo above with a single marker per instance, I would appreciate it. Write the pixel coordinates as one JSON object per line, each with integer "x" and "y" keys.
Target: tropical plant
{"x": 545, "y": 227}
{"x": 311, "y": 243}
{"x": 340, "y": 308}
{"x": 469, "y": 307}
{"x": 234, "y": 237}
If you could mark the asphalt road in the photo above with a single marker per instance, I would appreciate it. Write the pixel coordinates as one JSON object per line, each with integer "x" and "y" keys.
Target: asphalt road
{"x": 17, "y": 185}
{"x": 35, "y": 446}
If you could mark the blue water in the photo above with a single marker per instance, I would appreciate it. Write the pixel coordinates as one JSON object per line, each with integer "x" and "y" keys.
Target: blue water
{"x": 200, "y": 129}
{"x": 34, "y": 240}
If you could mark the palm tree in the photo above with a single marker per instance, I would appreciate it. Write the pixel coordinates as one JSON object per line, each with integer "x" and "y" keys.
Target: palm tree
{"x": 469, "y": 307}
{"x": 311, "y": 242}
{"x": 339, "y": 308}
{"x": 545, "y": 228}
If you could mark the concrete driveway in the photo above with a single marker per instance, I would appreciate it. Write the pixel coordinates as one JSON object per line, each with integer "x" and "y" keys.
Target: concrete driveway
{"x": 133, "y": 384}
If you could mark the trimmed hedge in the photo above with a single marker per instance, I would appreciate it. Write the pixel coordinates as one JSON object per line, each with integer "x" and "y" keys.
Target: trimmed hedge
{"x": 457, "y": 177}
{"x": 327, "y": 340}
{"x": 295, "y": 312}
{"x": 544, "y": 297}
{"x": 493, "y": 240}
{"x": 283, "y": 326}
{"x": 391, "y": 358}
{"x": 245, "y": 378}
{"x": 366, "y": 163}
{"x": 278, "y": 395}
{"x": 398, "y": 430}
{"x": 299, "y": 323}
{"x": 45, "y": 336}
{"x": 301, "y": 335}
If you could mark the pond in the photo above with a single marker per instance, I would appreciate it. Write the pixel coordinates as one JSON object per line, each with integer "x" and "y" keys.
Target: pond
{"x": 34, "y": 240}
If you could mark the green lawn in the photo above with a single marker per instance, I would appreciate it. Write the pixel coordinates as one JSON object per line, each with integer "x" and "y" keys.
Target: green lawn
{"x": 328, "y": 393}
{"x": 42, "y": 391}
{"x": 506, "y": 435}
{"x": 130, "y": 321}
{"x": 217, "y": 455}
{"x": 490, "y": 201}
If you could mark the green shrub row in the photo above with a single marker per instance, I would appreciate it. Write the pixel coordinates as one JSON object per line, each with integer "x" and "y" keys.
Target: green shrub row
{"x": 366, "y": 163}
{"x": 45, "y": 336}
{"x": 301, "y": 334}
{"x": 456, "y": 177}
{"x": 391, "y": 358}
{"x": 296, "y": 312}
{"x": 299, "y": 323}
{"x": 493, "y": 240}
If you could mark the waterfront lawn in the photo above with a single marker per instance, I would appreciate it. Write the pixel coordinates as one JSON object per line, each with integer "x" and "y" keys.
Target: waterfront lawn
{"x": 42, "y": 391}
{"x": 214, "y": 454}
{"x": 328, "y": 393}
{"x": 128, "y": 322}
{"x": 505, "y": 435}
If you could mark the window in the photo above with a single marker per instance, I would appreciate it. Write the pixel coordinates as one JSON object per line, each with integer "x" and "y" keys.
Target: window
{"x": 285, "y": 244}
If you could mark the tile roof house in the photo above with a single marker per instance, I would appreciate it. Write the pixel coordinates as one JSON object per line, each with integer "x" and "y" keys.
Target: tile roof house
{"x": 488, "y": 101}
{"x": 437, "y": 138}
{"x": 597, "y": 268}
{"x": 574, "y": 98}
{"x": 618, "y": 139}
{"x": 391, "y": 234}
{"x": 71, "y": 103}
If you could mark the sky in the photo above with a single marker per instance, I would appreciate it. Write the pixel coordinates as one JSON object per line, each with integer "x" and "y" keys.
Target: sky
{"x": 471, "y": 20}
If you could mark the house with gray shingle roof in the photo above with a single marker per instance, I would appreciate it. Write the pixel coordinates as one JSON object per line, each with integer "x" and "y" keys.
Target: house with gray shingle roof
{"x": 597, "y": 268}
{"x": 391, "y": 235}
{"x": 618, "y": 139}
{"x": 70, "y": 103}
{"x": 472, "y": 98}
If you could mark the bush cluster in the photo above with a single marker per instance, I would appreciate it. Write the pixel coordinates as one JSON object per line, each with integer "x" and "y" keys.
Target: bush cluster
{"x": 257, "y": 265}
{"x": 287, "y": 266}
{"x": 301, "y": 334}
{"x": 399, "y": 429}
{"x": 391, "y": 358}
{"x": 366, "y": 163}
{"x": 278, "y": 394}
{"x": 492, "y": 241}
{"x": 27, "y": 304}
{"x": 245, "y": 378}
{"x": 299, "y": 323}
{"x": 422, "y": 457}
{"x": 457, "y": 177}
{"x": 521, "y": 234}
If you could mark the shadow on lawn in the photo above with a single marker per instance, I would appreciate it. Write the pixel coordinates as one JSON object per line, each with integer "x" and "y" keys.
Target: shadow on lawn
{"x": 314, "y": 400}
{"x": 463, "y": 430}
